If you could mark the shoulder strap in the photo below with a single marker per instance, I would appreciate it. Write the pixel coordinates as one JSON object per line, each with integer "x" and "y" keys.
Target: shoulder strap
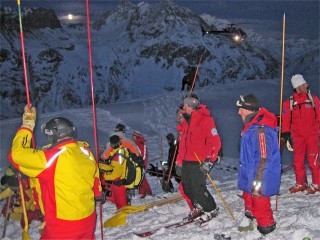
{"x": 291, "y": 103}
{"x": 310, "y": 98}
{"x": 263, "y": 153}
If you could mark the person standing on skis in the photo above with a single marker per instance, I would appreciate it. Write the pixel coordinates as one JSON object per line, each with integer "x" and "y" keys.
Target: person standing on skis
{"x": 68, "y": 176}
{"x": 199, "y": 140}
{"x": 301, "y": 121}
{"x": 260, "y": 162}
{"x": 140, "y": 141}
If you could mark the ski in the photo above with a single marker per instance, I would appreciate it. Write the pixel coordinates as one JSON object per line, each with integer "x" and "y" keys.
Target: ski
{"x": 199, "y": 222}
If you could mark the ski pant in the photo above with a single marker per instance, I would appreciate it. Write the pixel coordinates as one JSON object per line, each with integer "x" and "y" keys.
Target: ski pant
{"x": 186, "y": 197}
{"x": 260, "y": 208}
{"x": 306, "y": 146}
{"x": 194, "y": 186}
{"x": 70, "y": 229}
{"x": 144, "y": 188}
{"x": 118, "y": 196}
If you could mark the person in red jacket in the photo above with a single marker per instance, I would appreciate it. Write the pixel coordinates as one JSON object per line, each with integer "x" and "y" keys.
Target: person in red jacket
{"x": 199, "y": 141}
{"x": 301, "y": 122}
{"x": 68, "y": 176}
{"x": 140, "y": 141}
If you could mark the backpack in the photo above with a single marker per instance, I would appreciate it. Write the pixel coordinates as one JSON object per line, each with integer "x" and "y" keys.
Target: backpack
{"x": 292, "y": 103}
{"x": 134, "y": 168}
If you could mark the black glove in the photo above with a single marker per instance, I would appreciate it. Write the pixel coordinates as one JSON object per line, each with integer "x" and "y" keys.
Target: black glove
{"x": 178, "y": 169}
{"x": 119, "y": 182}
{"x": 101, "y": 198}
{"x": 288, "y": 140}
{"x": 220, "y": 156}
{"x": 206, "y": 166}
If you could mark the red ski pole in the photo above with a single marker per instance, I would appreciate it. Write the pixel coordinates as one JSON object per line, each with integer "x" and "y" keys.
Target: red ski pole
{"x": 93, "y": 104}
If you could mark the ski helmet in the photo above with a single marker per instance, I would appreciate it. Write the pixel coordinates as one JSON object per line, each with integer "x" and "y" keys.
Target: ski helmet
{"x": 58, "y": 128}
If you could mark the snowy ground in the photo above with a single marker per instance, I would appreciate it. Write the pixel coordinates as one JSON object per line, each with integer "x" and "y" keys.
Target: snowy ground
{"x": 298, "y": 215}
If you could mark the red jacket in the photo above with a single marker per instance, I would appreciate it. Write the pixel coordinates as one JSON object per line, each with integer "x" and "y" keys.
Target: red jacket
{"x": 303, "y": 120}
{"x": 200, "y": 137}
{"x": 140, "y": 142}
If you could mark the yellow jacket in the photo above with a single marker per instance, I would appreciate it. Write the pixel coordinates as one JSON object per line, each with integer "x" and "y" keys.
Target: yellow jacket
{"x": 68, "y": 176}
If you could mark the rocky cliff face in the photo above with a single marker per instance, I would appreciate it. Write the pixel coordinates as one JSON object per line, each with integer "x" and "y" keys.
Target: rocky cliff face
{"x": 137, "y": 50}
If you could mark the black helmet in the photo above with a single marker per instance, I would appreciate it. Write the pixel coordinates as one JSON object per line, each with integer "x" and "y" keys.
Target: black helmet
{"x": 58, "y": 128}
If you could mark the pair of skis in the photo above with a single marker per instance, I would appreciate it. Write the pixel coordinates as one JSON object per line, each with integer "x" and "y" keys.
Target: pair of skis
{"x": 199, "y": 222}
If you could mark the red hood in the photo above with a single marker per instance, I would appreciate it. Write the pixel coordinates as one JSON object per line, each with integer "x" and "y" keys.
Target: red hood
{"x": 263, "y": 117}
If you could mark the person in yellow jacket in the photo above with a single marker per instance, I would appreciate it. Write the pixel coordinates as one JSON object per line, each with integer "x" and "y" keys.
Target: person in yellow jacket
{"x": 12, "y": 194}
{"x": 68, "y": 176}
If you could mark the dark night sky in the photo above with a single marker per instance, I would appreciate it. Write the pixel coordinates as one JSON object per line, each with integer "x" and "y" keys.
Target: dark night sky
{"x": 264, "y": 17}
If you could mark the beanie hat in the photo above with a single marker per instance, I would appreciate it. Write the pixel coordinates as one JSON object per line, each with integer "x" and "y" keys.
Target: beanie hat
{"x": 137, "y": 134}
{"x": 170, "y": 137}
{"x": 192, "y": 101}
{"x": 120, "y": 128}
{"x": 249, "y": 102}
{"x": 115, "y": 141}
{"x": 297, "y": 80}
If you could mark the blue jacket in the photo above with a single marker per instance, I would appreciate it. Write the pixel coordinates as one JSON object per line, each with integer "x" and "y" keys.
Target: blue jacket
{"x": 259, "y": 154}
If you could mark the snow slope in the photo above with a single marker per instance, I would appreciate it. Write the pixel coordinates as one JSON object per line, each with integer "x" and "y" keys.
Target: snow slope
{"x": 297, "y": 215}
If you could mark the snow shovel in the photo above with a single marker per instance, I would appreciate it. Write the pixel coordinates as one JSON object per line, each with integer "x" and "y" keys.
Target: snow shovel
{"x": 120, "y": 217}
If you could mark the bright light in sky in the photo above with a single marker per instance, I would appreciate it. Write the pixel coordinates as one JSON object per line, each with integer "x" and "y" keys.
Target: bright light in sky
{"x": 70, "y": 16}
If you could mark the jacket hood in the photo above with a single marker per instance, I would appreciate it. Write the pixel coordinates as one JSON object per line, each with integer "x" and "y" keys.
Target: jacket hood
{"x": 263, "y": 117}
{"x": 203, "y": 110}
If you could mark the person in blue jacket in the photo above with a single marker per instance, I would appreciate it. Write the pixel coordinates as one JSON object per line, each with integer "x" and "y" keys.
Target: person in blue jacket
{"x": 260, "y": 163}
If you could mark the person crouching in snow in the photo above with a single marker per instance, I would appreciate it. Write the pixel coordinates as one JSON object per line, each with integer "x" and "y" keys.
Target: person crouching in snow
{"x": 68, "y": 176}
{"x": 11, "y": 192}
{"x": 260, "y": 168}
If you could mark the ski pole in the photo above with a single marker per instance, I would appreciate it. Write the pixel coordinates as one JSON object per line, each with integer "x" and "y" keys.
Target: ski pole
{"x": 217, "y": 190}
{"x": 281, "y": 89}
{"x": 196, "y": 73}
{"x": 7, "y": 215}
{"x": 93, "y": 105}
{"x": 25, "y": 235}
{"x": 172, "y": 162}
{"x": 25, "y": 230}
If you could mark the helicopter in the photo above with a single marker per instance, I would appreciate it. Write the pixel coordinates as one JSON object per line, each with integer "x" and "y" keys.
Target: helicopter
{"x": 236, "y": 33}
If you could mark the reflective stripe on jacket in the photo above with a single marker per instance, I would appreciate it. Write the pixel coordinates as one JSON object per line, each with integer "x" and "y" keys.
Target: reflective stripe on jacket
{"x": 67, "y": 173}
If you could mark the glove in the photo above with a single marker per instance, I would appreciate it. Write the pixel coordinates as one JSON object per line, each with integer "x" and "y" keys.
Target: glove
{"x": 119, "y": 182}
{"x": 29, "y": 117}
{"x": 178, "y": 169}
{"x": 206, "y": 166}
{"x": 101, "y": 198}
{"x": 257, "y": 188}
{"x": 220, "y": 156}
{"x": 288, "y": 140}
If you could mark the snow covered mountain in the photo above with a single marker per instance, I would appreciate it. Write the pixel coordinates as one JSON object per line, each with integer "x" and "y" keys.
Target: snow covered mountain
{"x": 138, "y": 51}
